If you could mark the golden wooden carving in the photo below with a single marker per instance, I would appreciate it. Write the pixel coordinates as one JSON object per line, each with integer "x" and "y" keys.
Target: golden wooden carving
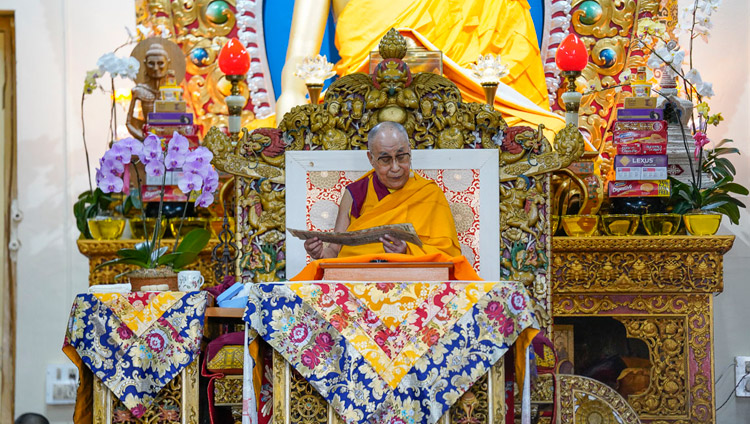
{"x": 583, "y": 400}
{"x": 677, "y": 330}
{"x": 228, "y": 390}
{"x": 176, "y": 403}
{"x": 101, "y": 251}
{"x": 638, "y": 264}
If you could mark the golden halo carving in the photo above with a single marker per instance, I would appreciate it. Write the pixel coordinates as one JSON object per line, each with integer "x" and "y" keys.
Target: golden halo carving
{"x": 176, "y": 57}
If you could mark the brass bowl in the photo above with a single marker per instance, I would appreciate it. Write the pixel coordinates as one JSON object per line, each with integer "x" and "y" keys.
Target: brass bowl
{"x": 620, "y": 224}
{"x": 106, "y": 228}
{"x": 136, "y": 227}
{"x": 702, "y": 223}
{"x": 580, "y": 225}
{"x": 216, "y": 224}
{"x": 661, "y": 224}
{"x": 188, "y": 225}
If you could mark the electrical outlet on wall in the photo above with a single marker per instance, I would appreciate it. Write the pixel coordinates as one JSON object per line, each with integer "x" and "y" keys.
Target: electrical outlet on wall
{"x": 62, "y": 384}
{"x": 742, "y": 372}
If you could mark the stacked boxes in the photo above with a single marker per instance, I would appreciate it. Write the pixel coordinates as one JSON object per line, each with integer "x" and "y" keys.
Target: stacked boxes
{"x": 168, "y": 117}
{"x": 641, "y": 163}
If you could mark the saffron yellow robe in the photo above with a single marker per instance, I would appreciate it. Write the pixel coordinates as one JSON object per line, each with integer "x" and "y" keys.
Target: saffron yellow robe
{"x": 419, "y": 202}
{"x": 462, "y": 30}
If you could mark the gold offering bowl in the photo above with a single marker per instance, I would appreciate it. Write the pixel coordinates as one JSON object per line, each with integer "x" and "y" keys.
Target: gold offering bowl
{"x": 188, "y": 225}
{"x": 702, "y": 223}
{"x": 580, "y": 225}
{"x": 106, "y": 228}
{"x": 620, "y": 224}
{"x": 217, "y": 222}
{"x": 136, "y": 228}
{"x": 661, "y": 224}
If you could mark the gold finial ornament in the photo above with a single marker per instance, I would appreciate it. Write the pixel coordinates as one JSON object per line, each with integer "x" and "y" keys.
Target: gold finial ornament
{"x": 392, "y": 45}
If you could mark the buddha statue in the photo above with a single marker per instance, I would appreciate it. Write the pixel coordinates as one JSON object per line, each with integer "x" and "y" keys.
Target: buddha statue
{"x": 159, "y": 59}
{"x": 461, "y": 29}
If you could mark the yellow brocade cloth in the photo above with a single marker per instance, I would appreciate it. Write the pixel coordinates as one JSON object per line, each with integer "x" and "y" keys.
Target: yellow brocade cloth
{"x": 462, "y": 30}
{"x": 419, "y": 202}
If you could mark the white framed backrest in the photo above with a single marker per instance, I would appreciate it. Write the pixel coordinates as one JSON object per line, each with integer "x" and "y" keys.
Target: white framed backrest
{"x": 347, "y": 165}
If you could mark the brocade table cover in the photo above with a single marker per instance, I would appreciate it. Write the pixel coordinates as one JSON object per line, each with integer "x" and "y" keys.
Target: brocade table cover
{"x": 136, "y": 343}
{"x": 390, "y": 352}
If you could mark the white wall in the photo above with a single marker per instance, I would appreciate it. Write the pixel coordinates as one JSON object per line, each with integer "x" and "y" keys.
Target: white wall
{"x": 724, "y": 62}
{"x": 57, "y": 41}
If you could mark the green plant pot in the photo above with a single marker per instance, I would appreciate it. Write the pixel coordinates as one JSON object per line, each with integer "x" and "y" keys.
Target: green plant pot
{"x": 702, "y": 223}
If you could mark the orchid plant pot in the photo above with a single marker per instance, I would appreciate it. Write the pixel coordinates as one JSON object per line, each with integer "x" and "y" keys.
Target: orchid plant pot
{"x": 702, "y": 223}
{"x": 143, "y": 277}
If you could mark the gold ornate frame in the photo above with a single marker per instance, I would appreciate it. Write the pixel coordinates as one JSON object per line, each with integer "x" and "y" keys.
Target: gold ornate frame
{"x": 182, "y": 392}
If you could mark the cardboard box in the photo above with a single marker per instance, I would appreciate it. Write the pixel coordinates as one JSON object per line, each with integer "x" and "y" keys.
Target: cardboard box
{"x": 628, "y": 173}
{"x": 660, "y": 188}
{"x": 640, "y": 102}
{"x": 169, "y": 106}
{"x": 169, "y": 118}
{"x": 640, "y": 114}
{"x": 641, "y": 160}
{"x": 658, "y": 148}
{"x": 654, "y": 173}
{"x": 644, "y": 132}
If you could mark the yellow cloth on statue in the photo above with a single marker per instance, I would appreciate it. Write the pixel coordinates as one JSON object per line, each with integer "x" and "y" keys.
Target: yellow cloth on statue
{"x": 419, "y": 202}
{"x": 462, "y": 30}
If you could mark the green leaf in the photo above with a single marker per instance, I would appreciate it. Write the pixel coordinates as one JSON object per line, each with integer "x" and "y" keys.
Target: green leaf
{"x": 732, "y": 211}
{"x": 194, "y": 241}
{"x": 735, "y": 188}
{"x": 133, "y": 254}
{"x": 128, "y": 261}
{"x": 725, "y": 151}
{"x": 725, "y": 164}
{"x": 156, "y": 254}
{"x": 168, "y": 259}
{"x": 185, "y": 259}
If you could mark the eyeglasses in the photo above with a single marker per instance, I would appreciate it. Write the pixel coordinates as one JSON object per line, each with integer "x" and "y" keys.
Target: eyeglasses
{"x": 401, "y": 159}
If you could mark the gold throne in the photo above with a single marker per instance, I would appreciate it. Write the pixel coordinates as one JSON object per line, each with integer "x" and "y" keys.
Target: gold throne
{"x": 432, "y": 111}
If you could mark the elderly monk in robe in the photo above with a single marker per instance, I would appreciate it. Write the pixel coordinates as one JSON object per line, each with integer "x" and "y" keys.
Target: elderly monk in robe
{"x": 392, "y": 194}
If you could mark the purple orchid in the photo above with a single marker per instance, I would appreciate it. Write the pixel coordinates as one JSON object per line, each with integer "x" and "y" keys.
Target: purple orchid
{"x": 204, "y": 200}
{"x": 110, "y": 184}
{"x": 178, "y": 144}
{"x": 200, "y": 155}
{"x": 211, "y": 182}
{"x": 111, "y": 166}
{"x": 151, "y": 149}
{"x": 196, "y": 168}
{"x": 119, "y": 153}
{"x": 190, "y": 182}
{"x": 133, "y": 145}
{"x": 155, "y": 168}
{"x": 174, "y": 160}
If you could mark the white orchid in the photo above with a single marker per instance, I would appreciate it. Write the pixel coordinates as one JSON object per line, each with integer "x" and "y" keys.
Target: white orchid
{"x": 703, "y": 88}
{"x": 130, "y": 67}
{"x": 663, "y": 55}
{"x": 126, "y": 67}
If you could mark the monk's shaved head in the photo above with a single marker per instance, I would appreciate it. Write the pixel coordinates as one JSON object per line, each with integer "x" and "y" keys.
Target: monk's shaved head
{"x": 388, "y": 128}
{"x": 389, "y": 153}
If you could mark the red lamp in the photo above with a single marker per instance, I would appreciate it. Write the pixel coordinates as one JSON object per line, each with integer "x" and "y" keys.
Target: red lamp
{"x": 571, "y": 54}
{"x": 571, "y": 58}
{"x": 233, "y": 58}
{"x": 234, "y": 62}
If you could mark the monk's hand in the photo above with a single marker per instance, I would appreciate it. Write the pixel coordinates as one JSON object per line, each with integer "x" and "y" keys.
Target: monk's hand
{"x": 314, "y": 247}
{"x": 393, "y": 245}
